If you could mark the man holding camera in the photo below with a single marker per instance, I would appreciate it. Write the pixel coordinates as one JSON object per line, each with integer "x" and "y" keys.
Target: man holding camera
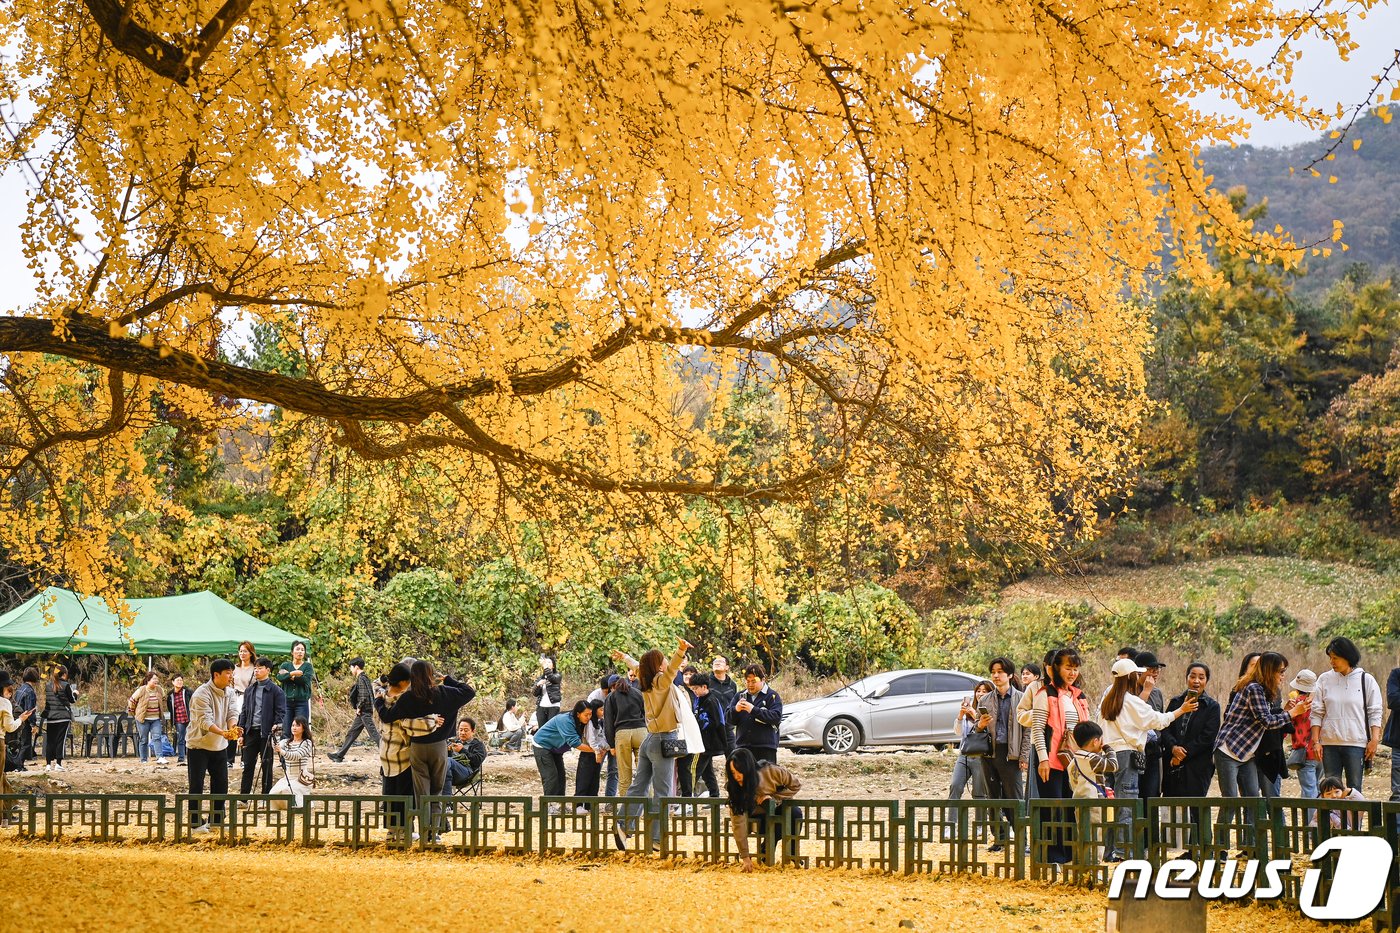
{"x": 1001, "y": 770}
{"x": 264, "y": 706}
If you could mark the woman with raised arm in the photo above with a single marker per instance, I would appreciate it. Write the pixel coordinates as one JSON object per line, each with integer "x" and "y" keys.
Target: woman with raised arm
{"x": 1127, "y": 720}
{"x": 655, "y": 679}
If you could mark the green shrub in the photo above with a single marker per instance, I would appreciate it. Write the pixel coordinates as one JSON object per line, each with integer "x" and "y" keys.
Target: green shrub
{"x": 288, "y": 597}
{"x": 967, "y": 637}
{"x": 867, "y": 628}
{"x": 1325, "y": 530}
{"x": 1376, "y": 624}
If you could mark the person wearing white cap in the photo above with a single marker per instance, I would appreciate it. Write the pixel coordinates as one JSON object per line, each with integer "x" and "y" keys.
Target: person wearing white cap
{"x": 1305, "y": 758}
{"x": 1127, "y": 719}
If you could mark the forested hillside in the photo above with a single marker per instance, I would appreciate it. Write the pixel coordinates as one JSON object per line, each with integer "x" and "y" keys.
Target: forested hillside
{"x": 1364, "y": 195}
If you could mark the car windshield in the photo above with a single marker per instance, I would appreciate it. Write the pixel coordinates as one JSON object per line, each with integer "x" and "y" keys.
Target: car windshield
{"x": 859, "y": 688}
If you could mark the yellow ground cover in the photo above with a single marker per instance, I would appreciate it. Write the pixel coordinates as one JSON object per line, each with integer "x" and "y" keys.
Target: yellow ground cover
{"x": 263, "y": 888}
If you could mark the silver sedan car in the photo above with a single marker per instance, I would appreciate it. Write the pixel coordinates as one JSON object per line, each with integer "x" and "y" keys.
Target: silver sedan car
{"x": 895, "y": 708}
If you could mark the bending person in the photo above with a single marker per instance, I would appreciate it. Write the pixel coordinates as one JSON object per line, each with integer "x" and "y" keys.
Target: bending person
{"x": 750, "y": 785}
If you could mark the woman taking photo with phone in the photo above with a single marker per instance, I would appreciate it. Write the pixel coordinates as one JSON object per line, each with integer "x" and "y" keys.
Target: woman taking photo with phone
{"x": 1127, "y": 719}
{"x": 655, "y": 676}
{"x": 1190, "y": 741}
{"x": 968, "y": 769}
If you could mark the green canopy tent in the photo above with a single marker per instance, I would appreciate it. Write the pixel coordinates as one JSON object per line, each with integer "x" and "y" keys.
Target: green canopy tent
{"x": 195, "y": 623}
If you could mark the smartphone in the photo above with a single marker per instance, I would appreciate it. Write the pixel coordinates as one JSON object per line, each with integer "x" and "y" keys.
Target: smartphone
{"x": 1193, "y": 694}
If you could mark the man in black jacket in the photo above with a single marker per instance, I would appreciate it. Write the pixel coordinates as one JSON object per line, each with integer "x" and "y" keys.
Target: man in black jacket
{"x": 756, "y": 715}
{"x": 724, "y": 688}
{"x": 714, "y": 731}
{"x": 264, "y": 705}
{"x": 362, "y": 702}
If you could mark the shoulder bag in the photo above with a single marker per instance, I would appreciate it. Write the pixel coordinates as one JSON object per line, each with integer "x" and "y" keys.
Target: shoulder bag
{"x": 976, "y": 744}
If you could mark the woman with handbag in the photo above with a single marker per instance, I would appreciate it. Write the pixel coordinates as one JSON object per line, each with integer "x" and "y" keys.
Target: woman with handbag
{"x": 1127, "y": 720}
{"x": 968, "y": 768}
{"x": 1055, "y": 709}
{"x": 655, "y": 677}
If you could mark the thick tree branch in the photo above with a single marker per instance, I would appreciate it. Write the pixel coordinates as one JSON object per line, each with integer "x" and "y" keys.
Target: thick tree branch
{"x": 157, "y": 53}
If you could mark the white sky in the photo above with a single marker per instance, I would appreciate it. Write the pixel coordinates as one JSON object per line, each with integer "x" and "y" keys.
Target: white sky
{"x": 1320, "y": 76}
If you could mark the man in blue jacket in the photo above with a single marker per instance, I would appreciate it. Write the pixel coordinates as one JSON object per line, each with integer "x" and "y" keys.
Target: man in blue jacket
{"x": 757, "y": 713}
{"x": 264, "y": 705}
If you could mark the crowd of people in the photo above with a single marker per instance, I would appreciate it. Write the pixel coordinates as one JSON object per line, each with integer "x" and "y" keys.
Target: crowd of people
{"x": 657, "y": 727}
{"x": 1032, "y": 731}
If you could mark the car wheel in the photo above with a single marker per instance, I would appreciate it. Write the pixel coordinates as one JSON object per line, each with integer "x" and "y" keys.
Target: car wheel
{"x": 840, "y": 736}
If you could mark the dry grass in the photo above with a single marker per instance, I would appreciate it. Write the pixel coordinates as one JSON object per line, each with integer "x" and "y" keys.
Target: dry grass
{"x": 272, "y": 889}
{"x": 1311, "y": 591}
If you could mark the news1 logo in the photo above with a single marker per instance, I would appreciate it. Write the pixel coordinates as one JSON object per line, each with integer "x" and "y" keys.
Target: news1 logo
{"x": 1358, "y": 879}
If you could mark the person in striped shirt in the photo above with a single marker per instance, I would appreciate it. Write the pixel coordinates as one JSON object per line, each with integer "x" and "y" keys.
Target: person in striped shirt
{"x": 395, "y": 765}
{"x": 1056, "y": 707}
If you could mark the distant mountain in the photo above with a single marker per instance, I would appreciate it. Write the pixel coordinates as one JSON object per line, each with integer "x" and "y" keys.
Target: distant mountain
{"x": 1365, "y": 197}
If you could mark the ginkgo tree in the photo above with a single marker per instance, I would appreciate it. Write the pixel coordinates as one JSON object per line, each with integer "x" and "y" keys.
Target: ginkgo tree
{"x": 503, "y": 240}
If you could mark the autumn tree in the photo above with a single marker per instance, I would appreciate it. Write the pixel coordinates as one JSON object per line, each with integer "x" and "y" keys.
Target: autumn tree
{"x": 491, "y": 236}
{"x": 1225, "y": 367}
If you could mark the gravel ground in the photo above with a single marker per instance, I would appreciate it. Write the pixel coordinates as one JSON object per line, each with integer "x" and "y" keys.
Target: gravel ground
{"x": 911, "y": 773}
